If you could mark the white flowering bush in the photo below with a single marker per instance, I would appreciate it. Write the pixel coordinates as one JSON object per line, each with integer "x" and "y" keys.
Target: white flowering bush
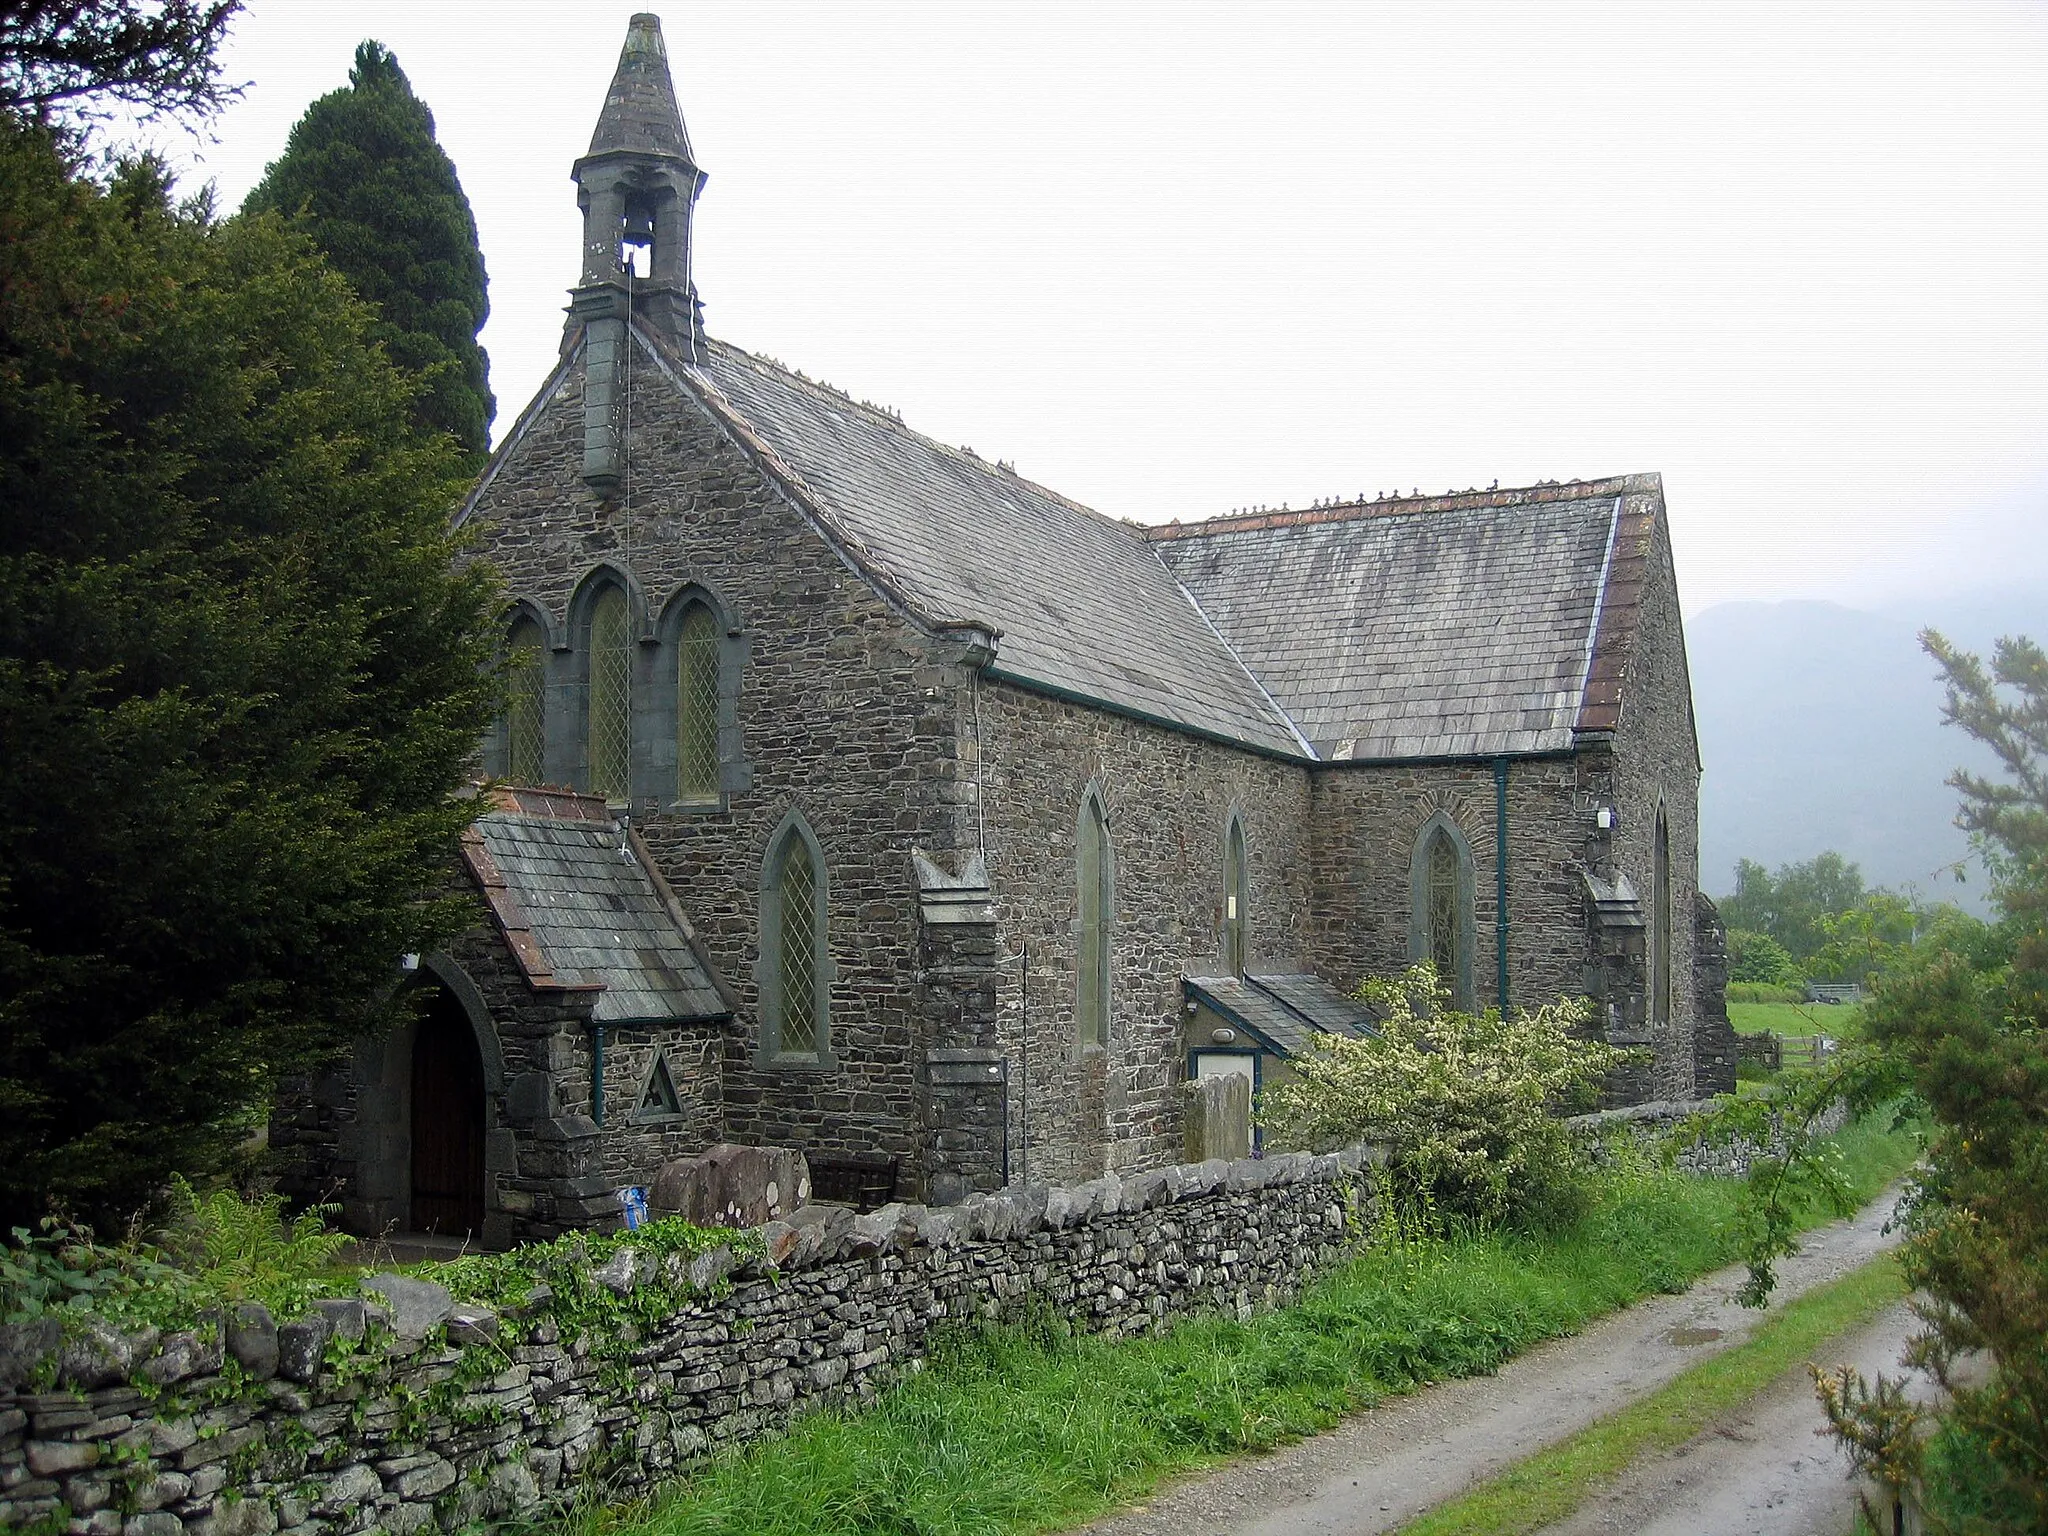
{"x": 1467, "y": 1106}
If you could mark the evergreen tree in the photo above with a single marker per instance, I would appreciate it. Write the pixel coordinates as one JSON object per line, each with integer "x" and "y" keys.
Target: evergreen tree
{"x": 65, "y": 60}
{"x": 364, "y": 175}
{"x": 240, "y": 675}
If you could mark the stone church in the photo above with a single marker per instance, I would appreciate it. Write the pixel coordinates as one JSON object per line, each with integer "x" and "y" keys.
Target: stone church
{"x": 859, "y": 795}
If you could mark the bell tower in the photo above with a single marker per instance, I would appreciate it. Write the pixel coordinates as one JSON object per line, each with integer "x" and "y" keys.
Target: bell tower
{"x": 637, "y": 187}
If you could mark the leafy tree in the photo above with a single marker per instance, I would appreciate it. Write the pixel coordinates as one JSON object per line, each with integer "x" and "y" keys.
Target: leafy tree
{"x": 1760, "y": 958}
{"x": 1789, "y": 905}
{"x": 239, "y": 677}
{"x": 366, "y": 179}
{"x": 1870, "y": 938}
{"x": 1957, "y": 1026}
{"x": 1466, "y": 1104}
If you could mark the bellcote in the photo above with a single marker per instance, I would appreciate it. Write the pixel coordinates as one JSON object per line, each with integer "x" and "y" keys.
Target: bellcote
{"x": 637, "y": 187}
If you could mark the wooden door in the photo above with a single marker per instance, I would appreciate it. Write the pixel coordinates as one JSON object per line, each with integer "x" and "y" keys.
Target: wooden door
{"x": 447, "y": 1122}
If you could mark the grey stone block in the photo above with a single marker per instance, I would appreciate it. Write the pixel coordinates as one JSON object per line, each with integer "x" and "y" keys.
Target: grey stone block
{"x": 344, "y": 1315}
{"x": 417, "y": 1306}
{"x": 252, "y": 1340}
{"x": 300, "y": 1344}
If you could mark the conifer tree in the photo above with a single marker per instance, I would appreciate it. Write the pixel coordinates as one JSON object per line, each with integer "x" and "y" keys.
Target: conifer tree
{"x": 240, "y": 675}
{"x": 365, "y": 177}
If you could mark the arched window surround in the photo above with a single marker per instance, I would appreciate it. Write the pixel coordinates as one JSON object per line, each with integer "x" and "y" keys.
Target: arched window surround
{"x": 573, "y": 734}
{"x": 497, "y": 744}
{"x": 778, "y": 928}
{"x": 657, "y": 714}
{"x": 1420, "y": 925}
{"x": 1235, "y": 906}
{"x": 1094, "y": 923}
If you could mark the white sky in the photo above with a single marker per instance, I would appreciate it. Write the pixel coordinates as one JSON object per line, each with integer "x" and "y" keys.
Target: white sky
{"x": 1175, "y": 259}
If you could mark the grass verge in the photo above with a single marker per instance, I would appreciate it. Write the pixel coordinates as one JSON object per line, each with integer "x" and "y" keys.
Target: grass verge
{"x": 1552, "y": 1484}
{"x": 1795, "y": 1021}
{"x": 1029, "y": 1429}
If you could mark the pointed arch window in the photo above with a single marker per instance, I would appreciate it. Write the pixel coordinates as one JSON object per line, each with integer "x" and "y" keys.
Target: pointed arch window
{"x": 1440, "y": 923}
{"x": 1660, "y": 922}
{"x": 697, "y": 653}
{"x": 1237, "y": 898}
{"x": 795, "y": 965}
{"x": 1094, "y": 879}
{"x": 611, "y": 694}
{"x": 525, "y": 703}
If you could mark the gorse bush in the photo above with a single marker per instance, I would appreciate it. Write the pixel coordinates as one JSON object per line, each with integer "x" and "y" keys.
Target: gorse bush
{"x": 1466, "y": 1105}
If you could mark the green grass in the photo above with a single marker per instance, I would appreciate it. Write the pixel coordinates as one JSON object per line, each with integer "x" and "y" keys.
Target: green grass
{"x": 1553, "y": 1483}
{"x": 1795, "y": 1019}
{"x": 1018, "y": 1430}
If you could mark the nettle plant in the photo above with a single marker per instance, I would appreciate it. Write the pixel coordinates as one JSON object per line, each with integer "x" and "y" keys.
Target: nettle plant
{"x": 1467, "y": 1106}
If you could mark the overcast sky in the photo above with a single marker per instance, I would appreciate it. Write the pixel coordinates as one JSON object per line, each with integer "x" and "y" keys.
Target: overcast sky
{"x": 1178, "y": 259}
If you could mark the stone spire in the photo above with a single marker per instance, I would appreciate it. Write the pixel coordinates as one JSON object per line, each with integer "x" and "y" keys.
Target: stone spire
{"x": 640, "y": 113}
{"x": 637, "y": 188}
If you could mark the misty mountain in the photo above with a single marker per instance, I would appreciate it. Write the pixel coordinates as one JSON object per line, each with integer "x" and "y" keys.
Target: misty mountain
{"x": 1821, "y": 728}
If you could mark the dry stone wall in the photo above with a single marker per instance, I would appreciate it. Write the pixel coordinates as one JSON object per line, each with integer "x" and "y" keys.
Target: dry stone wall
{"x": 407, "y": 1411}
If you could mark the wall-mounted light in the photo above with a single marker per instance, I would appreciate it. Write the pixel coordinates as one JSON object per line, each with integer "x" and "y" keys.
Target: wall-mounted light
{"x": 408, "y": 962}
{"x": 1224, "y": 1036}
{"x": 1604, "y": 817}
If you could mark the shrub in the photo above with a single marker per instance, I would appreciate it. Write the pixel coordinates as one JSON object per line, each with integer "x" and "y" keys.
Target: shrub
{"x": 1759, "y": 958}
{"x": 1466, "y": 1105}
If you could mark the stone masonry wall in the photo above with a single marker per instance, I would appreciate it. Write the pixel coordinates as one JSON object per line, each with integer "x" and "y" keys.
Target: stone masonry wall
{"x": 1656, "y": 756}
{"x": 1168, "y": 796}
{"x": 846, "y": 713}
{"x": 450, "y": 1414}
{"x": 1366, "y": 822}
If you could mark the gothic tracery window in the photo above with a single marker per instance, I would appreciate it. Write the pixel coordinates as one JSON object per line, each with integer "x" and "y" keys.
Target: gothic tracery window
{"x": 697, "y": 642}
{"x": 1660, "y": 922}
{"x": 611, "y": 695}
{"x": 1093, "y": 878}
{"x": 796, "y": 964}
{"x": 1441, "y": 919}
{"x": 525, "y": 703}
{"x": 1236, "y": 898}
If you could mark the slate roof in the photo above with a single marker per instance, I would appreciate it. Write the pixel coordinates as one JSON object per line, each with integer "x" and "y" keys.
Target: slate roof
{"x": 1082, "y": 606}
{"x": 1287, "y": 1011}
{"x": 1460, "y": 626}
{"x": 581, "y": 911}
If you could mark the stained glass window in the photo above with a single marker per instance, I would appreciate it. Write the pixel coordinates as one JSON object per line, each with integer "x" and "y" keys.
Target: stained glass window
{"x": 1443, "y": 909}
{"x": 697, "y": 706}
{"x": 798, "y": 943}
{"x": 525, "y": 700}
{"x": 1236, "y": 898}
{"x": 611, "y": 695}
{"x": 1092, "y": 878}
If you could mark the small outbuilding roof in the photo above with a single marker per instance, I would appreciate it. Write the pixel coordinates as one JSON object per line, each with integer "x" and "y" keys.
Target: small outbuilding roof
{"x": 1284, "y": 1011}
{"x": 581, "y": 908}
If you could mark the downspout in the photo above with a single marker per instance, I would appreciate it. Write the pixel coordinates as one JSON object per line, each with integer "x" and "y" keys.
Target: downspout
{"x": 1024, "y": 1039}
{"x": 597, "y": 1072}
{"x": 1500, "y": 872}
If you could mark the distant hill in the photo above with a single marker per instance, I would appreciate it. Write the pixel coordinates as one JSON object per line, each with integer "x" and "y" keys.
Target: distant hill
{"x": 1821, "y": 728}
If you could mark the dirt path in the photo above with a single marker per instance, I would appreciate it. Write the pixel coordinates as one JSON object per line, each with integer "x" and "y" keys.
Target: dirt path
{"x": 1764, "y": 1469}
{"x": 1389, "y": 1464}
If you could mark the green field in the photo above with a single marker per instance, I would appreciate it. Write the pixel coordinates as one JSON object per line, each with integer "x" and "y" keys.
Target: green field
{"x": 1795, "y": 1019}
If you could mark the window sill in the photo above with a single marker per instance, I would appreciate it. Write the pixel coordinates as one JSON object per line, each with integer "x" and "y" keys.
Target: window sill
{"x": 796, "y": 1061}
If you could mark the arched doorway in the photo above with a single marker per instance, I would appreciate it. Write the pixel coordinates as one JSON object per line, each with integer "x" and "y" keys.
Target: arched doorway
{"x": 447, "y": 1120}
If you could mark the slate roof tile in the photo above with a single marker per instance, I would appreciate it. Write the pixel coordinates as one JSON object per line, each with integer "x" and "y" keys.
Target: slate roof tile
{"x": 1461, "y": 627}
{"x": 1082, "y": 604}
{"x": 580, "y": 914}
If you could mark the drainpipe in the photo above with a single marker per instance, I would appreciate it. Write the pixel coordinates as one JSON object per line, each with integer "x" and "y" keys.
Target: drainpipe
{"x": 1500, "y": 868}
{"x": 597, "y": 1073}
